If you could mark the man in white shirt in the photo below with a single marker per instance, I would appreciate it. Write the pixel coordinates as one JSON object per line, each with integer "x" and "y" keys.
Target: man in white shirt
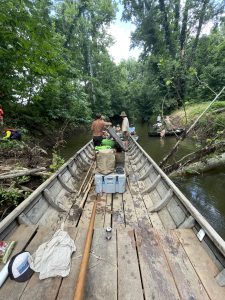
{"x": 125, "y": 129}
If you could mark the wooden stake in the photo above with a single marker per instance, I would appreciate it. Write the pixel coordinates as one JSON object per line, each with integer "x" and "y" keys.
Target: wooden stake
{"x": 79, "y": 292}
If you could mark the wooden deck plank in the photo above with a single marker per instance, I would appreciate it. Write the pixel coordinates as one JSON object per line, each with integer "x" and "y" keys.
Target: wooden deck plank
{"x": 86, "y": 214}
{"x": 37, "y": 289}
{"x": 156, "y": 275}
{"x": 22, "y": 235}
{"x": 101, "y": 280}
{"x": 12, "y": 289}
{"x": 108, "y": 211}
{"x": 118, "y": 212}
{"x": 140, "y": 209}
{"x": 202, "y": 262}
{"x": 129, "y": 280}
{"x": 129, "y": 210}
{"x": 100, "y": 211}
{"x": 67, "y": 288}
{"x": 187, "y": 281}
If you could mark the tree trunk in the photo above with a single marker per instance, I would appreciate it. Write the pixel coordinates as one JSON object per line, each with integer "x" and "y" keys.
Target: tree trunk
{"x": 166, "y": 27}
{"x": 21, "y": 173}
{"x": 201, "y": 166}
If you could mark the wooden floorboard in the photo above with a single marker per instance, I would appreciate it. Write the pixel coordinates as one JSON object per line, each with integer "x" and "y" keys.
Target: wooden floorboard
{"x": 118, "y": 220}
{"x": 108, "y": 211}
{"x": 157, "y": 279}
{"x": 101, "y": 280}
{"x": 129, "y": 210}
{"x": 86, "y": 214}
{"x": 187, "y": 280}
{"x": 68, "y": 286}
{"x": 129, "y": 279}
{"x": 202, "y": 263}
{"x": 23, "y": 235}
{"x": 37, "y": 289}
{"x": 100, "y": 211}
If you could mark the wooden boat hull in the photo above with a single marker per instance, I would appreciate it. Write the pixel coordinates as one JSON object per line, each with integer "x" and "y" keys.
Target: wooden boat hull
{"x": 154, "y": 233}
{"x": 168, "y": 133}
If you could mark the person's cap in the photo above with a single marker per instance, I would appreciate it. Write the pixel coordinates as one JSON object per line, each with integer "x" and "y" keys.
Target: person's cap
{"x": 19, "y": 267}
{"x": 123, "y": 114}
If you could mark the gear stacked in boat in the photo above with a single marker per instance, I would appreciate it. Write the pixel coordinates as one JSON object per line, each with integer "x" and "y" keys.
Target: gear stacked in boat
{"x": 110, "y": 176}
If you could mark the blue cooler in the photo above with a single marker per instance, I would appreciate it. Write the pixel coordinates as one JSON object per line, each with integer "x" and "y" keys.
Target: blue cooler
{"x": 110, "y": 184}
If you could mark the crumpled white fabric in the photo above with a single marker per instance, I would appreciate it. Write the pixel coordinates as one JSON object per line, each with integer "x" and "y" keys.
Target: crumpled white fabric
{"x": 53, "y": 257}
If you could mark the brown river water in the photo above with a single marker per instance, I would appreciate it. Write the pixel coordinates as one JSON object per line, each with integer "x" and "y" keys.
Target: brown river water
{"x": 206, "y": 192}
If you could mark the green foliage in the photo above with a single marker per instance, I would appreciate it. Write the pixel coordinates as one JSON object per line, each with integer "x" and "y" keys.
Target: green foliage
{"x": 23, "y": 179}
{"x": 57, "y": 162}
{"x": 9, "y": 197}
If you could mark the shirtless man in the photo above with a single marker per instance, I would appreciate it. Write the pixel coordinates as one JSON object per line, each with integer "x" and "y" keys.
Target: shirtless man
{"x": 97, "y": 128}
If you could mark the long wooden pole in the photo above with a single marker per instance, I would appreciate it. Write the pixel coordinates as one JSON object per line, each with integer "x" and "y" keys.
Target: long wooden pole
{"x": 79, "y": 292}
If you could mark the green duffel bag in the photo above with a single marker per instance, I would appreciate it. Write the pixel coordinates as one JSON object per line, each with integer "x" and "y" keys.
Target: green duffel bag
{"x": 106, "y": 142}
{"x": 99, "y": 148}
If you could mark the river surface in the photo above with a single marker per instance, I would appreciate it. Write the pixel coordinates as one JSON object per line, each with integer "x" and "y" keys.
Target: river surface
{"x": 206, "y": 192}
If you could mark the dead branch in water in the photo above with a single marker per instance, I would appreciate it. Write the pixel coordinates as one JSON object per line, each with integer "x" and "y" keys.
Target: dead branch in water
{"x": 183, "y": 136}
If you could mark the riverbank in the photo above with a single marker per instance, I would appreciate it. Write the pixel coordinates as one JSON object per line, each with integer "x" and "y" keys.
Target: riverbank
{"x": 210, "y": 126}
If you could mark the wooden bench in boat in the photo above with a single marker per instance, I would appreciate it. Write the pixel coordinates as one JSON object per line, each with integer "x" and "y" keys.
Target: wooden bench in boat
{"x": 154, "y": 252}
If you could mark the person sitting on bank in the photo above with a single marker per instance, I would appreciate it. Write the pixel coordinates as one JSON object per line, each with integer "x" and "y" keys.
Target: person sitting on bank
{"x": 97, "y": 128}
{"x": 132, "y": 130}
{"x": 11, "y": 134}
{"x": 125, "y": 129}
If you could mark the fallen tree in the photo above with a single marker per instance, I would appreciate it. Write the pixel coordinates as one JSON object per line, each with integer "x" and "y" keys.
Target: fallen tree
{"x": 194, "y": 156}
{"x": 201, "y": 166}
{"x": 183, "y": 136}
{"x": 21, "y": 173}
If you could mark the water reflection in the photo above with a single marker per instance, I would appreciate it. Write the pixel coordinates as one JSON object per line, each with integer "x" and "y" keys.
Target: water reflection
{"x": 206, "y": 193}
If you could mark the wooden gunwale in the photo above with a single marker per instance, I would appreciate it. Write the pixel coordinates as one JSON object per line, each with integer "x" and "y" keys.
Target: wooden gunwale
{"x": 18, "y": 210}
{"x": 212, "y": 234}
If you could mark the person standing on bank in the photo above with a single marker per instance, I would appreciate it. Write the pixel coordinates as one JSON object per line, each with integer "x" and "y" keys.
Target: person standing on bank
{"x": 125, "y": 129}
{"x": 97, "y": 128}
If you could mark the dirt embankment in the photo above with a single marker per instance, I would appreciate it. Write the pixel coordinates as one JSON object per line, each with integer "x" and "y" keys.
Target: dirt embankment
{"x": 210, "y": 126}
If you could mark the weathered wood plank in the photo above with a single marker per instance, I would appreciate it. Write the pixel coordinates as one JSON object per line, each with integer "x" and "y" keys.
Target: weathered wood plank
{"x": 202, "y": 262}
{"x": 176, "y": 211}
{"x": 129, "y": 279}
{"x": 140, "y": 209}
{"x": 37, "y": 289}
{"x": 100, "y": 211}
{"x": 187, "y": 281}
{"x": 118, "y": 212}
{"x": 108, "y": 211}
{"x": 154, "y": 217}
{"x": 166, "y": 219}
{"x": 12, "y": 289}
{"x": 129, "y": 210}
{"x": 67, "y": 288}
{"x": 157, "y": 279}
{"x": 101, "y": 280}
{"x": 22, "y": 235}
{"x": 86, "y": 214}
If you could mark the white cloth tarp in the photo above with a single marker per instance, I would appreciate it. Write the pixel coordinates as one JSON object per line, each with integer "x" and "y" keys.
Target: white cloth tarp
{"x": 53, "y": 257}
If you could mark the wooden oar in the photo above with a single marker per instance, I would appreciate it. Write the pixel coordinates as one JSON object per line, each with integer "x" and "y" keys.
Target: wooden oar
{"x": 79, "y": 292}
